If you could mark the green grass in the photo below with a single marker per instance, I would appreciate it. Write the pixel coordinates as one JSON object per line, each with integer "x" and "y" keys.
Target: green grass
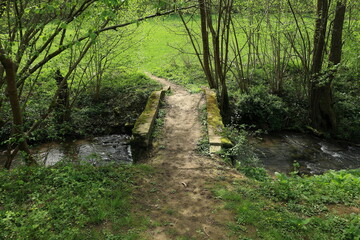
{"x": 158, "y": 43}
{"x": 69, "y": 202}
{"x": 294, "y": 207}
{"x": 163, "y": 48}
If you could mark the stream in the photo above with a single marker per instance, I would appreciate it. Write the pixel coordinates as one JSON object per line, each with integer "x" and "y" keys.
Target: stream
{"x": 97, "y": 151}
{"x": 279, "y": 151}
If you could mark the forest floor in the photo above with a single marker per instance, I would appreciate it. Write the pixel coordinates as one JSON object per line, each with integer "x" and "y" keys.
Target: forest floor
{"x": 177, "y": 198}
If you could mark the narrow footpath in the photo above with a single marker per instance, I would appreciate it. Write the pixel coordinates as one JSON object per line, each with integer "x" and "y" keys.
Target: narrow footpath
{"x": 177, "y": 198}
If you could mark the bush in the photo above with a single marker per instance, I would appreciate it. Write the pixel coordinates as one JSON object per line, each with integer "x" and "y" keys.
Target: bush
{"x": 260, "y": 108}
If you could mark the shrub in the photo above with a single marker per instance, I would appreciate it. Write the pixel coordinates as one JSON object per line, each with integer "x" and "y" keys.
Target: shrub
{"x": 260, "y": 108}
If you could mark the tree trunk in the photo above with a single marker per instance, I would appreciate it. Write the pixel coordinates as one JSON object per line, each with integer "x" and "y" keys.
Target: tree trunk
{"x": 336, "y": 36}
{"x": 18, "y": 131}
{"x": 322, "y": 114}
{"x": 319, "y": 36}
{"x": 205, "y": 43}
{"x": 62, "y": 103}
{"x": 2, "y": 98}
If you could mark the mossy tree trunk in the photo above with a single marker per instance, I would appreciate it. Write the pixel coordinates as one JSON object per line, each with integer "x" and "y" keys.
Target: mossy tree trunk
{"x": 337, "y": 32}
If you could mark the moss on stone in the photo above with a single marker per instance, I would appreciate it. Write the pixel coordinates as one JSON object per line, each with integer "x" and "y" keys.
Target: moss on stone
{"x": 144, "y": 124}
{"x": 215, "y": 123}
{"x": 225, "y": 142}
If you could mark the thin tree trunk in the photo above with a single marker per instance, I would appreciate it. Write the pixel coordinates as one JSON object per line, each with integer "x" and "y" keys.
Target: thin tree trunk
{"x": 18, "y": 131}
{"x": 62, "y": 104}
{"x": 205, "y": 43}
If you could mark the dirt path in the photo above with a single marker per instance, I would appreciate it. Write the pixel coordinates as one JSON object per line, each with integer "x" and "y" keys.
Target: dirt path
{"x": 177, "y": 198}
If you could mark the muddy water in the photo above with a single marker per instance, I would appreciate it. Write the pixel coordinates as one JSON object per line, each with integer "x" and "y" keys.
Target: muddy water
{"x": 279, "y": 152}
{"x": 97, "y": 151}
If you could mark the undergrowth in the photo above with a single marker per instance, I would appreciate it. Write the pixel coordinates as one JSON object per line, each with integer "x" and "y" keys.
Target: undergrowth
{"x": 241, "y": 155}
{"x": 118, "y": 104}
{"x": 69, "y": 202}
{"x": 291, "y": 207}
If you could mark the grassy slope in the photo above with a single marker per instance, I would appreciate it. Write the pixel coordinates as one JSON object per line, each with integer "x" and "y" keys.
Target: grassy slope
{"x": 159, "y": 48}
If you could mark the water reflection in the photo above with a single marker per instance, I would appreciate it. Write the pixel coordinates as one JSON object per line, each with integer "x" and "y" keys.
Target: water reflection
{"x": 98, "y": 151}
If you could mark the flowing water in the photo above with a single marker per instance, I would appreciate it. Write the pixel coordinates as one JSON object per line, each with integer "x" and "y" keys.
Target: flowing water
{"x": 97, "y": 151}
{"x": 278, "y": 153}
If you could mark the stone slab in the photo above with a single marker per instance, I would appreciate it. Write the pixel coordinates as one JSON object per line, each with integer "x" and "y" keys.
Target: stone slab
{"x": 214, "y": 123}
{"x": 144, "y": 125}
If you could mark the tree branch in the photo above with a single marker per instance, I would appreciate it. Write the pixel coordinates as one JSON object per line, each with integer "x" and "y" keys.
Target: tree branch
{"x": 114, "y": 27}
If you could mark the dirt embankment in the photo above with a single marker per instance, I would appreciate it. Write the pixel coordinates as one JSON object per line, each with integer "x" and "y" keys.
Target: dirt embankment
{"x": 177, "y": 198}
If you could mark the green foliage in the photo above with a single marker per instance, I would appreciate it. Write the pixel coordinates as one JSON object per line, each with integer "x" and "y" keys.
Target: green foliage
{"x": 242, "y": 154}
{"x": 66, "y": 202}
{"x": 347, "y": 97}
{"x": 120, "y": 101}
{"x": 261, "y": 108}
{"x": 330, "y": 188}
{"x": 290, "y": 207}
